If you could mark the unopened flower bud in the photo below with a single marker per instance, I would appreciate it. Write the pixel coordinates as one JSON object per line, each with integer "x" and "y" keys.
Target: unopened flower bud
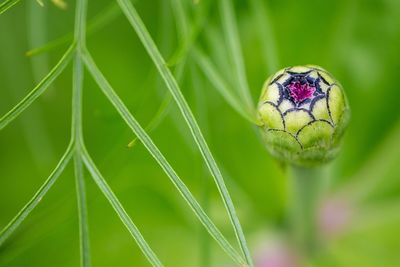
{"x": 304, "y": 112}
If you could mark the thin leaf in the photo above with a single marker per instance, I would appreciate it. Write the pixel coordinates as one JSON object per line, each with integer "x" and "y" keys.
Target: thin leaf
{"x": 37, "y": 34}
{"x": 188, "y": 37}
{"x": 172, "y": 85}
{"x": 201, "y": 110}
{"x": 7, "y": 4}
{"x": 182, "y": 21}
{"x": 203, "y": 61}
{"x": 104, "y": 18}
{"x": 266, "y": 35}
{"x": 39, "y": 89}
{"x": 235, "y": 50}
{"x": 157, "y": 118}
{"x": 221, "y": 85}
{"x": 119, "y": 209}
{"x": 50, "y": 45}
{"x": 155, "y": 152}
{"x": 35, "y": 200}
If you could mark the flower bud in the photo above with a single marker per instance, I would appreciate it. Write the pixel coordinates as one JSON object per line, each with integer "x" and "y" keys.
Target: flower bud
{"x": 303, "y": 113}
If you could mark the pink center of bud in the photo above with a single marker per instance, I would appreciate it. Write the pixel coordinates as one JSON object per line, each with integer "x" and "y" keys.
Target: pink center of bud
{"x": 300, "y": 91}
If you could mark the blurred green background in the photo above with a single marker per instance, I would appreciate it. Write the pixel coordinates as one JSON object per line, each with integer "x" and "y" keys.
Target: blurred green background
{"x": 357, "y": 41}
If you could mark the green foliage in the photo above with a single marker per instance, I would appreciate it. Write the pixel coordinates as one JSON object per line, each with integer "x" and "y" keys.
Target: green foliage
{"x": 220, "y": 53}
{"x": 148, "y": 143}
{"x": 4, "y": 6}
{"x": 78, "y": 50}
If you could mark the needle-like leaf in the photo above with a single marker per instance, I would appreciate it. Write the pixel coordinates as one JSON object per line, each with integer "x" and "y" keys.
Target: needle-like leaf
{"x": 39, "y": 89}
{"x": 119, "y": 209}
{"x": 221, "y": 85}
{"x": 266, "y": 35}
{"x": 104, "y": 18}
{"x": 35, "y": 200}
{"x": 140, "y": 28}
{"x": 7, "y": 4}
{"x": 235, "y": 51}
{"x": 161, "y": 160}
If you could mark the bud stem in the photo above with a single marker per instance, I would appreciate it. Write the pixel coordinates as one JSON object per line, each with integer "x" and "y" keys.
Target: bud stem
{"x": 305, "y": 193}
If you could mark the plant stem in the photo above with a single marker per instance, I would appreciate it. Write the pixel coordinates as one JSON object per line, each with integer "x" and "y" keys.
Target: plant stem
{"x": 305, "y": 188}
{"x": 77, "y": 134}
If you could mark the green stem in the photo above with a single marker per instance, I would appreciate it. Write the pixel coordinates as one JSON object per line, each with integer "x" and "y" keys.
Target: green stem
{"x": 305, "y": 193}
{"x": 77, "y": 133}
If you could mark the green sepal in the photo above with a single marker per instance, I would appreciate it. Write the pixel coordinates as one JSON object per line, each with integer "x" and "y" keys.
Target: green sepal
{"x": 315, "y": 156}
{"x": 282, "y": 144}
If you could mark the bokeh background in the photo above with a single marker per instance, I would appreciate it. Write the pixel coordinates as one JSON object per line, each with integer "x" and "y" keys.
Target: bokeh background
{"x": 356, "y": 40}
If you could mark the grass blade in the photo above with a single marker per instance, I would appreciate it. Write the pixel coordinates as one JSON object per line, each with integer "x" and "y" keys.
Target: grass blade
{"x": 155, "y": 152}
{"x": 7, "y": 4}
{"x": 172, "y": 85}
{"x": 26, "y": 210}
{"x": 39, "y": 89}
{"x": 119, "y": 209}
{"x": 221, "y": 85}
{"x": 234, "y": 50}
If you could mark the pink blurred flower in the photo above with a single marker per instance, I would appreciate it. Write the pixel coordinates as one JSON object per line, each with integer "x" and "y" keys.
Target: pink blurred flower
{"x": 276, "y": 254}
{"x": 334, "y": 214}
